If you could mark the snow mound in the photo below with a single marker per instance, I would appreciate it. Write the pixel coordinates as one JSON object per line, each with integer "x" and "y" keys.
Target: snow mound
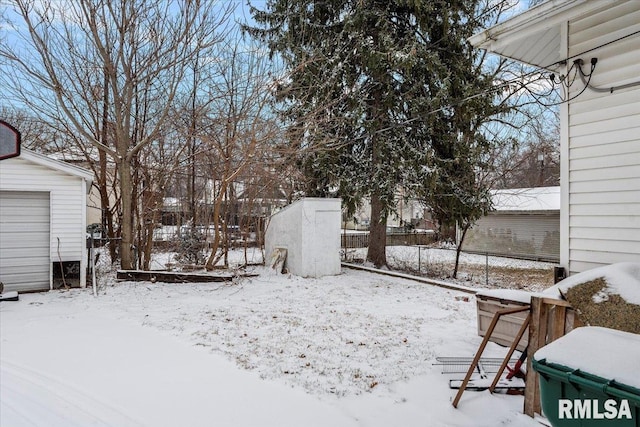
{"x": 621, "y": 279}
{"x": 608, "y": 296}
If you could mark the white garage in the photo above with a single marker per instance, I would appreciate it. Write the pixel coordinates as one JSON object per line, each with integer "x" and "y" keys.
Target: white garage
{"x": 42, "y": 222}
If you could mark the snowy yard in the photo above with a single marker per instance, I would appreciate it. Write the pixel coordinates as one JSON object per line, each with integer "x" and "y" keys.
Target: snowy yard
{"x": 351, "y": 350}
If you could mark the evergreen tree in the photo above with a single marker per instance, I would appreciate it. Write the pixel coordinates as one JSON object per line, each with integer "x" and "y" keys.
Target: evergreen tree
{"x": 364, "y": 93}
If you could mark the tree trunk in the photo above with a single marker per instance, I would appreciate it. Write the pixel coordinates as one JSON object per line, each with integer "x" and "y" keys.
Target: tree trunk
{"x": 106, "y": 208}
{"x": 378, "y": 233}
{"x": 105, "y": 203}
{"x": 459, "y": 249}
{"x": 126, "y": 226}
{"x": 213, "y": 257}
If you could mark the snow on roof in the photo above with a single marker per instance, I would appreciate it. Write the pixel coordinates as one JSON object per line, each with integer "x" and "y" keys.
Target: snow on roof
{"x": 622, "y": 278}
{"x": 527, "y": 199}
{"x": 606, "y": 353}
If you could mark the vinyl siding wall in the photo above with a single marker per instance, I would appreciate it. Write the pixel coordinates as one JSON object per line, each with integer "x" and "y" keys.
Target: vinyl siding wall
{"x": 603, "y": 153}
{"x": 526, "y": 235}
{"x": 67, "y": 205}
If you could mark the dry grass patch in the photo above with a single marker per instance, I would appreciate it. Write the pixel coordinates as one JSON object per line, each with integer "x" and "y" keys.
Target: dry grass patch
{"x": 597, "y": 307}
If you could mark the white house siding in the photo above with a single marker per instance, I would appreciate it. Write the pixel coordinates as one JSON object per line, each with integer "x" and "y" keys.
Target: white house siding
{"x": 67, "y": 205}
{"x": 601, "y": 214}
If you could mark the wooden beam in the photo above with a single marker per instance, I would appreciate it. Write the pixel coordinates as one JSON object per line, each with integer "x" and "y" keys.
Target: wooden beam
{"x": 175, "y": 277}
{"x": 531, "y": 379}
{"x": 557, "y": 325}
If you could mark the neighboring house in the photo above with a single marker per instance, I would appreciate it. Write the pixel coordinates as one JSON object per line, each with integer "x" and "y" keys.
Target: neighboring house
{"x": 600, "y": 126}
{"x": 263, "y": 203}
{"x": 43, "y": 219}
{"x": 525, "y": 223}
{"x": 408, "y": 212}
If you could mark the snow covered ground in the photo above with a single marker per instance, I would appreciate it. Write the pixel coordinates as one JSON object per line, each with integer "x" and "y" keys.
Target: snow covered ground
{"x": 352, "y": 350}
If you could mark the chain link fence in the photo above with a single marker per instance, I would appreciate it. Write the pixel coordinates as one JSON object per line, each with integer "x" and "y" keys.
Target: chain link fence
{"x": 474, "y": 270}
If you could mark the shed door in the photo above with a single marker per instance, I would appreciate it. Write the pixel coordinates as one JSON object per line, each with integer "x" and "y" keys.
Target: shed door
{"x": 24, "y": 240}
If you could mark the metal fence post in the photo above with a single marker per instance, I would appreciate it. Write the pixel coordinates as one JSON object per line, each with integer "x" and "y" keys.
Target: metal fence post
{"x": 486, "y": 269}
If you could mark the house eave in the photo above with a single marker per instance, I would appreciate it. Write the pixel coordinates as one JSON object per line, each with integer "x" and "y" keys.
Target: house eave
{"x": 533, "y": 37}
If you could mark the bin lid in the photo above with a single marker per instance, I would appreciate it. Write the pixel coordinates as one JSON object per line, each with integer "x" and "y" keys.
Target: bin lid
{"x": 606, "y": 353}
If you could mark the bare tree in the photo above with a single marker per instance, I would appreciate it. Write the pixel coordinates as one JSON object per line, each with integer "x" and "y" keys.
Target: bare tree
{"x": 111, "y": 70}
{"x": 239, "y": 127}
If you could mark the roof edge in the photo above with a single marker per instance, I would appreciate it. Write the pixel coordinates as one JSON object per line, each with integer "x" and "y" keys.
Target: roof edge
{"x": 547, "y": 13}
{"x": 43, "y": 160}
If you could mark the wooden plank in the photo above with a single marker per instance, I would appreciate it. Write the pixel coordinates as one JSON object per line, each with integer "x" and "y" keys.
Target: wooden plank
{"x": 531, "y": 380}
{"x": 550, "y": 320}
{"x": 553, "y": 301}
{"x": 542, "y": 341}
{"x": 557, "y": 325}
{"x": 176, "y": 277}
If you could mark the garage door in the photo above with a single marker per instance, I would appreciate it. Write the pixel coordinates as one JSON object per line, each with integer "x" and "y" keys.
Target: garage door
{"x": 24, "y": 240}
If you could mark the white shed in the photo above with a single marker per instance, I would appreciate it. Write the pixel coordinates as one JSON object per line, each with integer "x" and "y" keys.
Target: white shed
{"x": 600, "y": 120}
{"x": 43, "y": 218}
{"x": 309, "y": 229}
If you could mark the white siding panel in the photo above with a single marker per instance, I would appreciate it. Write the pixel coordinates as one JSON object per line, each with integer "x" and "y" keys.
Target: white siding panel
{"x": 606, "y": 173}
{"x": 622, "y": 247}
{"x": 594, "y": 221}
{"x": 622, "y": 147}
{"x": 630, "y": 184}
{"x": 609, "y": 210}
{"x": 599, "y": 258}
{"x": 627, "y": 121}
{"x": 601, "y": 233}
{"x": 621, "y": 70}
{"x": 601, "y": 18}
{"x": 607, "y": 113}
{"x": 582, "y": 104}
{"x": 605, "y": 138}
{"x": 592, "y": 198}
{"x": 578, "y": 266}
{"x": 605, "y": 161}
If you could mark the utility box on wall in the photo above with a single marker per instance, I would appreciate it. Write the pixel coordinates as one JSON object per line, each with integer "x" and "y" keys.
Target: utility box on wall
{"x": 309, "y": 230}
